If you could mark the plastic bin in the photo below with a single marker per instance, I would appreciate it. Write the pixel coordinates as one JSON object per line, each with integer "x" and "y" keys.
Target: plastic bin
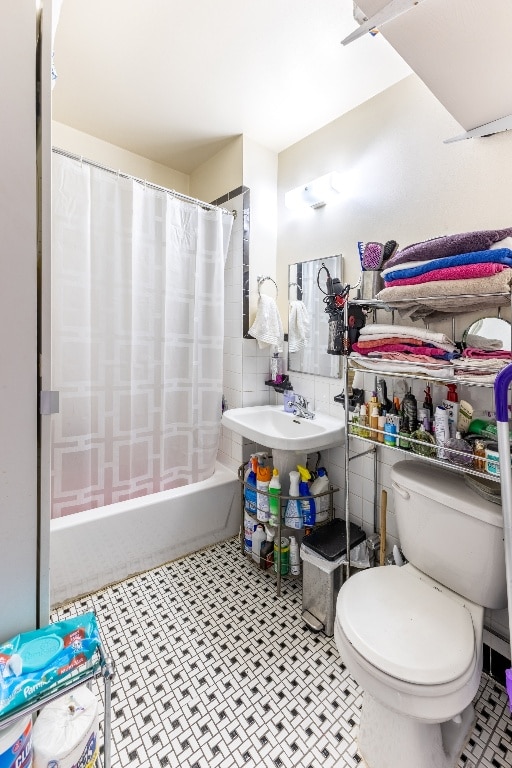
{"x": 322, "y": 554}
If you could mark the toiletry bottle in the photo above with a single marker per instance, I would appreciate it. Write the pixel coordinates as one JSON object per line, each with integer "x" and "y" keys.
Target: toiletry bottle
{"x": 459, "y": 451}
{"x": 249, "y": 528}
{"x": 289, "y": 400}
{"x": 427, "y": 403}
{"x": 442, "y": 433}
{"x": 393, "y": 417}
{"x": 293, "y": 513}
{"x": 276, "y": 368}
{"x": 267, "y": 549}
{"x": 321, "y": 485}
{"x": 479, "y": 455}
{"x": 307, "y": 502}
{"x": 409, "y": 413}
{"x": 258, "y": 537}
{"x": 282, "y": 555}
{"x": 390, "y": 434}
{"x": 363, "y": 422}
{"x": 374, "y": 422}
{"x": 250, "y": 487}
{"x": 274, "y": 489}
{"x": 382, "y": 424}
{"x": 354, "y": 420}
{"x": 451, "y": 403}
{"x": 294, "y": 557}
{"x": 485, "y": 429}
{"x": 263, "y": 477}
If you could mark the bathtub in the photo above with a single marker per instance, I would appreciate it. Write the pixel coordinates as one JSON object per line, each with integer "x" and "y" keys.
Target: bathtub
{"x": 91, "y": 550}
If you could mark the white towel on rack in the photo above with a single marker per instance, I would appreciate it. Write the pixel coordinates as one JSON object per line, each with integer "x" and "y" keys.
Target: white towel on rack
{"x": 298, "y": 326}
{"x": 267, "y": 327}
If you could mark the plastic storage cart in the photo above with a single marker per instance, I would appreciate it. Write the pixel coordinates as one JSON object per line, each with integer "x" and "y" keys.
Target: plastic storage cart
{"x": 323, "y": 552}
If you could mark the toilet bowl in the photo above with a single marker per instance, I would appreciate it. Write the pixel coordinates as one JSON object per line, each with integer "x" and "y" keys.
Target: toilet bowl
{"x": 412, "y": 639}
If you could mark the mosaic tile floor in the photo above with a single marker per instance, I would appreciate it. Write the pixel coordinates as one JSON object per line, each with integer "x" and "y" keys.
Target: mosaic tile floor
{"x": 213, "y": 669}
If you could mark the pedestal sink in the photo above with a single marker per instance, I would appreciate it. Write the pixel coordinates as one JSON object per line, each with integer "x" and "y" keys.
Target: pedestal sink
{"x": 289, "y": 437}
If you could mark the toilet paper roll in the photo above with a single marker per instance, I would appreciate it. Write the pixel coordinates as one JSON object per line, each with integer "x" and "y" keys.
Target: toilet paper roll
{"x": 66, "y": 731}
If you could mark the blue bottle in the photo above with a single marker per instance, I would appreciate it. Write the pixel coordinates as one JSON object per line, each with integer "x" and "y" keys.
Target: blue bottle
{"x": 250, "y": 493}
{"x": 306, "y": 501}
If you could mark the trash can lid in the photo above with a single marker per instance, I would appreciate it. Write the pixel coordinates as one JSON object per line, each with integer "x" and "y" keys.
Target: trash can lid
{"x": 330, "y": 541}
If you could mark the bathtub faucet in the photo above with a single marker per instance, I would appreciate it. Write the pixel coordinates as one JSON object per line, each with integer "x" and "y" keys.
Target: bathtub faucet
{"x": 301, "y": 408}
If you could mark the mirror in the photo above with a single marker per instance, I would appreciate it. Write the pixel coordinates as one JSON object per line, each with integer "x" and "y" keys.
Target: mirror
{"x": 489, "y": 334}
{"x": 308, "y": 320}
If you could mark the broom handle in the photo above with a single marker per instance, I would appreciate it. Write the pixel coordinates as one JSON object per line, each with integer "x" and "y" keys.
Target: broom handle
{"x": 383, "y": 510}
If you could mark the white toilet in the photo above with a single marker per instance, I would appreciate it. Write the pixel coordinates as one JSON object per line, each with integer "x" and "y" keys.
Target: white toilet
{"x": 412, "y": 636}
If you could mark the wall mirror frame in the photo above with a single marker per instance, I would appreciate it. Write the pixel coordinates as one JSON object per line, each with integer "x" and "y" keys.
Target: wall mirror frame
{"x": 488, "y": 333}
{"x": 303, "y": 288}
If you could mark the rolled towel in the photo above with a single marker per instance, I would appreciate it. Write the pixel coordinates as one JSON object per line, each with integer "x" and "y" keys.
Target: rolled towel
{"x": 267, "y": 327}
{"x": 298, "y": 327}
{"x": 448, "y": 245}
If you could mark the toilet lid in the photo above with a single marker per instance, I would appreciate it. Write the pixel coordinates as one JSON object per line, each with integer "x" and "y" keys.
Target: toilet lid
{"x": 405, "y": 626}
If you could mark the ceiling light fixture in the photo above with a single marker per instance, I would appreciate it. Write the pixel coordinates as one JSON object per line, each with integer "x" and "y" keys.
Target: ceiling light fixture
{"x": 315, "y": 193}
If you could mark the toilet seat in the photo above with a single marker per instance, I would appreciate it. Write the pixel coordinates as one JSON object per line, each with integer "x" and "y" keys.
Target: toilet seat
{"x": 406, "y": 627}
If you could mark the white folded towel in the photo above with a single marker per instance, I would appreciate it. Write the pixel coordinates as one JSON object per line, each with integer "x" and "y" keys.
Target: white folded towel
{"x": 298, "y": 326}
{"x": 267, "y": 327}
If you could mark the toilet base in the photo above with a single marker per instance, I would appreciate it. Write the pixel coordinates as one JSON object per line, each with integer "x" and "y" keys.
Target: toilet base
{"x": 389, "y": 740}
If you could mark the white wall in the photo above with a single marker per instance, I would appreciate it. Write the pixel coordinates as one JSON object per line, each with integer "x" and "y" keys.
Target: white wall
{"x": 18, "y": 322}
{"x": 403, "y": 183}
{"x": 220, "y": 174}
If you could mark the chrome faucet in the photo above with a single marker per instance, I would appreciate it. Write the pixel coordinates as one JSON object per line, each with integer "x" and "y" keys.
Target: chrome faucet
{"x": 301, "y": 408}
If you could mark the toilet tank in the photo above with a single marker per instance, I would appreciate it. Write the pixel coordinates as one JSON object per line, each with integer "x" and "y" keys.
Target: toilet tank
{"x": 450, "y": 532}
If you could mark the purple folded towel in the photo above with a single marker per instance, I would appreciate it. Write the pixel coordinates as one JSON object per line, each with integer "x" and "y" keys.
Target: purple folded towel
{"x": 448, "y": 245}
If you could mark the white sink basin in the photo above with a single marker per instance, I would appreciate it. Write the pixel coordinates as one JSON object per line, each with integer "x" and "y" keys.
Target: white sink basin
{"x": 271, "y": 426}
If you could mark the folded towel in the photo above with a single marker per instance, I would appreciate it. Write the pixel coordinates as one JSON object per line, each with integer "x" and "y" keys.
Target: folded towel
{"x": 409, "y": 348}
{"x": 369, "y": 342}
{"x": 424, "y": 334}
{"x": 436, "y": 299}
{"x": 448, "y": 245}
{"x": 402, "y": 366}
{"x": 298, "y": 326}
{"x": 495, "y": 354}
{"x": 267, "y": 327}
{"x": 462, "y": 272}
{"x": 479, "y": 342}
{"x": 415, "y": 268}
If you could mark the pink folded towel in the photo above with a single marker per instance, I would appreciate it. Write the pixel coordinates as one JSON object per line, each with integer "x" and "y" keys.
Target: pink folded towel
{"x": 461, "y": 272}
{"x": 419, "y": 350}
{"x": 481, "y": 354}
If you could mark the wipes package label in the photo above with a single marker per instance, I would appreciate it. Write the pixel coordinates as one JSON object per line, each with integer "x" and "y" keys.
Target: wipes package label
{"x": 32, "y": 662}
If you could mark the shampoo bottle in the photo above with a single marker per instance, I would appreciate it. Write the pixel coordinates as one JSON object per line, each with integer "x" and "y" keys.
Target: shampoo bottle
{"x": 442, "y": 430}
{"x": 451, "y": 403}
{"x": 274, "y": 489}
{"x": 293, "y": 514}
{"x": 307, "y": 502}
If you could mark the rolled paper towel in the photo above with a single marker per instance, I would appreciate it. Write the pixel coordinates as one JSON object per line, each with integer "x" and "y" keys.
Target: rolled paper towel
{"x": 66, "y": 731}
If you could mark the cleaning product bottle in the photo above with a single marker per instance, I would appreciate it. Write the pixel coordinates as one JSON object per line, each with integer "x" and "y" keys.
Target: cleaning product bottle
{"x": 263, "y": 476}
{"x": 293, "y": 513}
{"x": 267, "y": 548}
{"x": 294, "y": 557}
{"x": 250, "y": 487}
{"x": 307, "y": 502}
{"x": 451, "y": 403}
{"x": 258, "y": 537}
{"x": 464, "y": 452}
{"x": 274, "y": 489}
{"x": 321, "y": 485}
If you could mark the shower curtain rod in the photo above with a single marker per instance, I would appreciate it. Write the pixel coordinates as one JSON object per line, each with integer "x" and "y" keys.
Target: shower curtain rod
{"x": 173, "y": 192}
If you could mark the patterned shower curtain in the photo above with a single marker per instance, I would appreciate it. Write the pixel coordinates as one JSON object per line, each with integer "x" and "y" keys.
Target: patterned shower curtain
{"x": 137, "y": 337}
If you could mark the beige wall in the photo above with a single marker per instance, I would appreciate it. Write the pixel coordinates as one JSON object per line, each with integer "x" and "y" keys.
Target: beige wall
{"x": 111, "y": 156}
{"x": 403, "y": 183}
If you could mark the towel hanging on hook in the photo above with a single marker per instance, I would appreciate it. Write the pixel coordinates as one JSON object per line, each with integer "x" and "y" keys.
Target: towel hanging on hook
{"x": 261, "y": 279}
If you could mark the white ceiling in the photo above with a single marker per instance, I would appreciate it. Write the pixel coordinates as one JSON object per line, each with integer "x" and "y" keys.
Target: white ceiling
{"x": 174, "y": 80}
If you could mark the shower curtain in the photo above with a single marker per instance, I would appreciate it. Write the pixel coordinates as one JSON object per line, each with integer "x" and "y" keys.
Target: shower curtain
{"x": 137, "y": 337}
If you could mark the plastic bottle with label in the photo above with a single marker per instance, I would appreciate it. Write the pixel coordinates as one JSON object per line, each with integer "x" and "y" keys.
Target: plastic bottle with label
{"x": 294, "y": 557}
{"x": 258, "y": 537}
{"x": 250, "y": 494}
{"x": 274, "y": 489}
{"x": 307, "y": 502}
{"x": 263, "y": 476}
{"x": 293, "y": 514}
{"x": 321, "y": 485}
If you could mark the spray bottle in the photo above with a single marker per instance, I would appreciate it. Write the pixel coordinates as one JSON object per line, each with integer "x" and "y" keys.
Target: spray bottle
{"x": 274, "y": 489}
{"x": 250, "y": 486}
{"x": 293, "y": 514}
{"x": 307, "y": 502}
{"x": 263, "y": 476}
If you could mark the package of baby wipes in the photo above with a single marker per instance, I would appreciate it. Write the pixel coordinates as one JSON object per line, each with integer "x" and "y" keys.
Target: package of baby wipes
{"x": 33, "y": 662}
